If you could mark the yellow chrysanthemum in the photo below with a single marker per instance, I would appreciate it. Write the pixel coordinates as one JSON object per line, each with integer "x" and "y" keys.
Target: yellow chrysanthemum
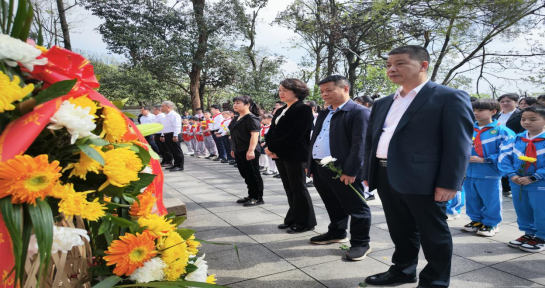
{"x": 211, "y": 279}
{"x": 42, "y": 48}
{"x": 26, "y": 178}
{"x": 130, "y": 252}
{"x": 192, "y": 245}
{"x": 85, "y": 164}
{"x": 175, "y": 270}
{"x": 173, "y": 248}
{"x": 121, "y": 167}
{"x": 75, "y": 203}
{"x": 143, "y": 206}
{"x": 156, "y": 225}
{"x": 84, "y": 102}
{"x": 114, "y": 126}
{"x": 527, "y": 159}
{"x": 10, "y": 91}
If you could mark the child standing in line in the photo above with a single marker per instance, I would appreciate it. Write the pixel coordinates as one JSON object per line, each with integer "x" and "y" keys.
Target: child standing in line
{"x": 223, "y": 135}
{"x": 265, "y": 159}
{"x": 523, "y": 161}
{"x": 482, "y": 184}
{"x": 187, "y": 136}
{"x": 193, "y": 134}
{"x": 208, "y": 140}
{"x": 454, "y": 205}
{"x": 200, "y": 150}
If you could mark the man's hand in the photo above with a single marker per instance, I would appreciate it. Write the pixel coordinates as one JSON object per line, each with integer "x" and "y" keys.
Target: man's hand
{"x": 476, "y": 159}
{"x": 268, "y": 152}
{"x": 233, "y": 154}
{"x": 347, "y": 179}
{"x": 515, "y": 179}
{"x": 366, "y": 183}
{"x": 524, "y": 180}
{"x": 162, "y": 138}
{"x": 443, "y": 195}
{"x": 262, "y": 144}
{"x": 175, "y": 139}
{"x": 250, "y": 155}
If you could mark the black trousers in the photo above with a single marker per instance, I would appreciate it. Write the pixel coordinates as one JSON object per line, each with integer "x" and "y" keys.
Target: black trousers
{"x": 163, "y": 150}
{"x": 227, "y": 145}
{"x": 341, "y": 202}
{"x": 220, "y": 145}
{"x": 174, "y": 149}
{"x": 415, "y": 220}
{"x": 151, "y": 142}
{"x": 249, "y": 170}
{"x": 293, "y": 178}
{"x": 505, "y": 185}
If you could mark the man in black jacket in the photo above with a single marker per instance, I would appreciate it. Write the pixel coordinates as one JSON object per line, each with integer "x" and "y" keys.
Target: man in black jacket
{"x": 340, "y": 133}
{"x": 417, "y": 152}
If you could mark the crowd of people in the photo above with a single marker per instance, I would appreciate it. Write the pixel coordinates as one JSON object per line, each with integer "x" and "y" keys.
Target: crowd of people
{"x": 427, "y": 150}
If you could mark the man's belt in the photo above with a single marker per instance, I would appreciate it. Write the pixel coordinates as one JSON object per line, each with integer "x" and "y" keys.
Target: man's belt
{"x": 383, "y": 162}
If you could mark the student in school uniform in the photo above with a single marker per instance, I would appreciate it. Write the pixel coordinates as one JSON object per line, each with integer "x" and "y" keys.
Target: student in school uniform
{"x": 193, "y": 134}
{"x": 483, "y": 177}
{"x": 187, "y": 136}
{"x": 208, "y": 140}
{"x": 223, "y": 135}
{"x": 523, "y": 161}
{"x": 200, "y": 149}
{"x": 267, "y": 160}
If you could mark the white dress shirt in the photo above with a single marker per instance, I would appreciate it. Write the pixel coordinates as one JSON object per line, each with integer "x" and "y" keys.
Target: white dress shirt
{"x": 160, "y": 118}
{"x": 504, "y": 117}
{"x": 147, "y": 119}
{"x": 398, "y": 108}
{"x": 218, "y": 118}
{"x": 173, "y": 123}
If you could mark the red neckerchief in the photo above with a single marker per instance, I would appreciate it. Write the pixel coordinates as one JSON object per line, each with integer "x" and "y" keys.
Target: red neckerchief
{"x": 478, "y": 145}
{"x": 531, "y": 149}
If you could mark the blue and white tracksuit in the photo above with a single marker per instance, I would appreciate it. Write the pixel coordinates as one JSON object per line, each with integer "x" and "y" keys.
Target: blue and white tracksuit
{"x": 483, "y": 180}
{"x": 529, "y": 201}
{"x": 454, "y": 205}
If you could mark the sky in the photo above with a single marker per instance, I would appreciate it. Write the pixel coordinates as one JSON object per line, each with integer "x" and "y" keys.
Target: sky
{"x": 278, "y": 40}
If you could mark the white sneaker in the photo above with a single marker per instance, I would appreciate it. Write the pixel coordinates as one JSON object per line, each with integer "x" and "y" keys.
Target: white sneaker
{"x": 473, "y": 226}
{"x": 488, "y": 231}
{"x": 453, "y": 217}
{"x": 533, "y": 246}
{"x": 201, "y": 156}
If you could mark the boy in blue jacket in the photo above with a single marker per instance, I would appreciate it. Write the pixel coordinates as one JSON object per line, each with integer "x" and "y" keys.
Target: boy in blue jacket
{"x": 482, "y": 183}
{"x": 523, "y": 161}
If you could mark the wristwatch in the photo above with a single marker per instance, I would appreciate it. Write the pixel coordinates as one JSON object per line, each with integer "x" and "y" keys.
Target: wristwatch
{"x": 533, "y": 178}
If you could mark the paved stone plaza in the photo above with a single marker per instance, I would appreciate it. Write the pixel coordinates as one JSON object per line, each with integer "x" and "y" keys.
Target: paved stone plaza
{"x": 271, "y": 258}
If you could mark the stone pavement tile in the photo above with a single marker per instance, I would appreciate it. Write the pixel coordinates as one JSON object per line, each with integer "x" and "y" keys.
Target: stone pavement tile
{"x": 346, "y": 274}
{"x": 489, "y": 277}
{"x": 460, "y": 265}
{"x": 289, "y": 279}
{"x": 228, "y": 235}
{"x": 255, "y": 261}
{"x": 274, "y": 199}
{"x": 225, "y": 204}
{"x": 509, "y": 215}
{"x": 205, "y": 222}
{"x": 213, "y": 199}
{"x": 192, "y": 190}
{"x": 530, "y": 267}
{"x": 281, "y": 210}
{"x": 377, "y": 215}
{"x": 194, "y": 209}
{"x": 268, "y": 232}
{"x": 249, "y": 215}
{"x": 483, "y": 250}
{"x": 507, "y": 233}
{"x": 301, "y": 253}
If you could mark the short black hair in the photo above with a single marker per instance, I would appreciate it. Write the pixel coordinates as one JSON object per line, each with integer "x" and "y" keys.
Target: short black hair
{"x": 198, "y": 109}
{"x": 512, "y": 96}
{"x": 473, "y": 99}
{"x": 267, "y": 116}
{"x": 311, "y": 103}
{"x": 207, "y": 112}
{"x": 215, "y": 106}
{"x": 194, "y": 118}
{"x": 145, "y": 107}
{"x": 279, "y": 102}
{"x": 541, "y": 97}
{"x": 340, "y": 81}
{"x": 358, "y": 99}
{"x": 367, "y": 100}
{"x": 415, "y": 52}
{"x": 158, "y": 107}
{"x": 486, "y": 104}
{"x": 538, "y": 109}
{"x": 299, "y": 88}
{"x": 529, "y": 100}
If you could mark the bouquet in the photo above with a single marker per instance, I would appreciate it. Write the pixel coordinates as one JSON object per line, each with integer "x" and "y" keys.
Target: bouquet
{"x": 329, "y": 163}
{"x": 70, "y": 158}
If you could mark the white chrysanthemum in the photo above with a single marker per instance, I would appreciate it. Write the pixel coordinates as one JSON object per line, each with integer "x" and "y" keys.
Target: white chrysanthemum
{"x": 76, "y": 120}
{"x": 14, "y": 50}
{"x": 201, "y": 273}
{"x": 327, "y": 160}
{"x": 151, "y": 271}
{"x": 64, "y": 239}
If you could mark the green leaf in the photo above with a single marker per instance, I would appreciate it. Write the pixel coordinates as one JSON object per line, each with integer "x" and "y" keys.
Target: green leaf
{"x": 177, "y": 221}
{"x": 185, "y": 232}
{"x": 25, "y": 30}
{"x": 120, "y": 103}
{"x": 42, "y": 220}
{"x": 145, "y": 180}
{"x": 60, "y": 88}
{"x": 105, "y": 226}
{"x": 190, "y": 268}
{"x": 143, "y": 154}
{"x": 149, "y": 128}
{"x": 97, "y": 142}
{"x": 19, "y": 21}
{"x": 92, "y": 153}
{"x": 113, "y": 191}
{"x": 218, "y": 243}
{"x": 108, "y": 282}
{"x": 152, "y": 152}
{"x": 130, "y": 115}
{"x": 12, "y": 215}
{"x": 121, "y": 222}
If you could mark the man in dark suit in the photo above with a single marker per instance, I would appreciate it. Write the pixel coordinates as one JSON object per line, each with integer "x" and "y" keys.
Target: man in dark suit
{"x": 509, "y": 116}
{"x": 416, "y": 154}
{"x": 340, "y": 133}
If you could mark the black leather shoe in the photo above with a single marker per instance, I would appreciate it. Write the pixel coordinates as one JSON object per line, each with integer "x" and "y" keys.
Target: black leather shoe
{"x": 296, "y": 229}
{"x": 284, "y": 226}
{"x": 166, "y": 164}
{"x": 388, "y": 278}
{"x": 254, "y": 202}
{"x": 175, "y": 169}
{"x": 224, "y": 161}
{"x": 358, "y": 253}
{"x": 370, "y": 198}
{"x": 243, "y": 200}
{"x": 217, "y": 159}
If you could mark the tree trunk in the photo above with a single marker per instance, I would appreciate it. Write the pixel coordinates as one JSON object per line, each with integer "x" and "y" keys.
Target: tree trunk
{"x": 353, "y": 63}
{"x": 64, "y": 25}
{"x": 198, "y": 58}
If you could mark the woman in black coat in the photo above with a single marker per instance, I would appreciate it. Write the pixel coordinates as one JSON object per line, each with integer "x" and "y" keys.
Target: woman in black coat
{"x": 288, "y": 142}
